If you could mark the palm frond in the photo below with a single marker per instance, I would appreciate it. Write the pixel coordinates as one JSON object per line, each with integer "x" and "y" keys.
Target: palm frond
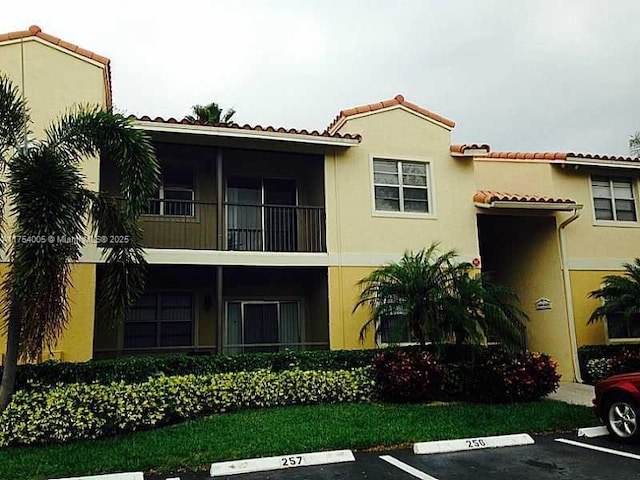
{"x": 619, "y": 294}
{"x": 125, "y": 267}
{"x": 48, "y": 207}
{"x": 14, "y": 118}
{"x": 90, "y": 131}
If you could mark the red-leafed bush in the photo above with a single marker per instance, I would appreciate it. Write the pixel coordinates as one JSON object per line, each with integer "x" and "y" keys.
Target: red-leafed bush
{"x": 625, "y": 362}
{"x": 407, "y": 376}
{"x": 499, "y": 377}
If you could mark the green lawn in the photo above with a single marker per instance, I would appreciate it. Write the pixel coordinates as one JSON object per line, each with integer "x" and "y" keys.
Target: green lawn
{"x": 193, "y": 445}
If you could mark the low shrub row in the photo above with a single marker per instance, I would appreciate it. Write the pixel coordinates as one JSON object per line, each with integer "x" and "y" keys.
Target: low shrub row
{"x": 622, "y": 362}
{"x": 600, "y": 361}
{"x": 89, "y": 411}
{"x": 139, "y": 369}
{"x": 493, "y": 376}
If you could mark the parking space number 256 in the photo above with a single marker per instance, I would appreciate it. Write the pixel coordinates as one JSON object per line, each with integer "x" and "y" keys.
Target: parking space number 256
{"x": 476, "y": 443}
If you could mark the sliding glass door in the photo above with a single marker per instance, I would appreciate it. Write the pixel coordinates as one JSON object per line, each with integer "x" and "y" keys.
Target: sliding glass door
{"x": 262, "y": 215}
{"x": 262, "y": 326}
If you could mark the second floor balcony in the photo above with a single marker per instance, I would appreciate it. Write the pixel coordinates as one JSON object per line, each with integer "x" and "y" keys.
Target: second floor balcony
{"x": 199, "y": 225}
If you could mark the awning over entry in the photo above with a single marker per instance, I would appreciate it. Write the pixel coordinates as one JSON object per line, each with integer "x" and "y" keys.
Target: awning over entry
{"x": 492, "y": 199}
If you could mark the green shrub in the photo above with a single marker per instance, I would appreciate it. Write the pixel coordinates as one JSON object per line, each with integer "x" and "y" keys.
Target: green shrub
{"x": 499, "y": 377}
{"x": 598, "y": 369}
{"x": 407, "y": 376}
{"x": 602, "y": 353}
{"x": 88, "y": 411}
{"x": 141, "y": 368}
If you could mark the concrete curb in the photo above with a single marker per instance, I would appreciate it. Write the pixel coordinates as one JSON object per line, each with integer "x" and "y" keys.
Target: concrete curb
{"x": 109, "y": 476}
{"x": 477, "y": 443}
{"x": 282, "y": 462}
{"x": 591, "y": 432}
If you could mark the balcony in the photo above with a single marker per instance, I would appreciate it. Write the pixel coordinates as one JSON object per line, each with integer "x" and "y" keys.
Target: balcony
{"x": 185, "y": 224}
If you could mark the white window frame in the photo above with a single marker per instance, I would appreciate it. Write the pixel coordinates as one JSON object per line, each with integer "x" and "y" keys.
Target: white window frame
{"x": 277, "y": 301}
{"x": 162, "y": 201}
{"x": 615, "y": 222}
{"x": 431, "y": 214}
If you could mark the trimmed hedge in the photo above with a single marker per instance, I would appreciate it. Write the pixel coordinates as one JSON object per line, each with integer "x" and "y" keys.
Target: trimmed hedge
{"x": 407, "y": 376}
{"x": 82, "y": 411}
{"x": 492, "y": 376}
{"x": 140, "y": 369}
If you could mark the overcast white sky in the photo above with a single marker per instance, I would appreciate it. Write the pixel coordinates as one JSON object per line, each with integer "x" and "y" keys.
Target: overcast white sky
{"x": 545, "y": 75}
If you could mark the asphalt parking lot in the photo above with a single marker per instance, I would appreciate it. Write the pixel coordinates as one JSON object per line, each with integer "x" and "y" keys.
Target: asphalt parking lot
{"x": 548, "y": 458}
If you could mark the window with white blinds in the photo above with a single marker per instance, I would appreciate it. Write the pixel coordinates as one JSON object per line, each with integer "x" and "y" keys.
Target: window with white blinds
{"x": 401, "y": 186}
{"x": 613, "y": 198}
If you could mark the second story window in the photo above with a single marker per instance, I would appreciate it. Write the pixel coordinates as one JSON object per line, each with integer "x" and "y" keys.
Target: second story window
{"x": 175, "y": 195}
{"x": 613, "y": 199}
{"x": 401, "y": 186}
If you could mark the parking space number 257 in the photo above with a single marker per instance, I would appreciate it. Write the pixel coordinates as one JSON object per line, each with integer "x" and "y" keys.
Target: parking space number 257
{"x": 291, "y": 461}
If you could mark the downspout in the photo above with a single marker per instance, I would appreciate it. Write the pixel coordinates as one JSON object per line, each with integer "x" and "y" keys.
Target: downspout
{"x": 566, "y": 277}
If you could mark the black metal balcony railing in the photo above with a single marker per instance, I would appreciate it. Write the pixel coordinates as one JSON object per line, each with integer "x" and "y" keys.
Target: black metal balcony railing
{"x": 275, "y": 228}
{"x": 185, "y": 224}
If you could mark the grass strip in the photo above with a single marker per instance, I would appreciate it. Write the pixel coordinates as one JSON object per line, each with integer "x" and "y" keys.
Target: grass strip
{"x": 194, "y": 445}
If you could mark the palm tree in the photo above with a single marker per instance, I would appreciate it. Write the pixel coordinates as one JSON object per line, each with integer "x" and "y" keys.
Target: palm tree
{"x": 620, "y": 295}
{"x": 487, "y": 311}
{"x": 52, "y": 208}
{"x": 634, "y": 144}
{"x": 211, "y": 113}
{"x": 441, "y": 301}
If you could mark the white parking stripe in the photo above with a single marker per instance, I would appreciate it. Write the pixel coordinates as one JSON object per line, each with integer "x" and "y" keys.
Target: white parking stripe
{"x": 599, "y": 449}
{"x": 407, "y": 468}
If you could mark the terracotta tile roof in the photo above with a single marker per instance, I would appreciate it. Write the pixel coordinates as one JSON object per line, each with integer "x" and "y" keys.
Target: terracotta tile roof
{"x": 36, "y": 31}
{"x": 489, "y": 196}
{"x": 255, "y": 128}
{"x": 559, "y": 156}
{"x": 397, "y": 100}
{"x": 472, "y": 146}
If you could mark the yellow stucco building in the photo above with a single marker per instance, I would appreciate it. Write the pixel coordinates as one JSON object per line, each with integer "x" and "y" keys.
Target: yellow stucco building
{"x": 258, "y": 235}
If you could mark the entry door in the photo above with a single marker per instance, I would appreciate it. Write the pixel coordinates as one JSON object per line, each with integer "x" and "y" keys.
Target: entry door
{"x": 280, "y": 216}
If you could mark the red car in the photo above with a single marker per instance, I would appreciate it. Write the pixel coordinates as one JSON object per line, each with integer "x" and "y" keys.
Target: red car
{"x": 617, "y": 405}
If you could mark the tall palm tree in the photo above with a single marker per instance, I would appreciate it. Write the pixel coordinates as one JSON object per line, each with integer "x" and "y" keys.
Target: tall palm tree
{"x": 51, "y": 209}
{"x": 212, "y": 113}
{"x": 441, "y": 301}
{"x": 620, "y": 295}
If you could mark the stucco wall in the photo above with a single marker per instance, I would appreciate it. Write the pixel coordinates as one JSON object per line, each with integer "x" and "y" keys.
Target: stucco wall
{"x": 344, "y": 324}
{"x": 75, "y": 344}
{"x": 352, "y": 225}
{"x": 54, "y": 81}
{"x": 591, "y": 245}
{"x": 583, "y": 282}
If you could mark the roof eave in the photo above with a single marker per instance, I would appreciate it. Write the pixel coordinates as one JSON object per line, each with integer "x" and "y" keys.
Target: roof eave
{"x": 248, "y": 134}
{"x": 557, "y": 206}
{"x": 578, "y": 161}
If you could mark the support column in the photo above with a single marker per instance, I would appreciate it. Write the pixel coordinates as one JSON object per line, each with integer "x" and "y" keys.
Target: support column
{"x": 220, "y": 308}
{"x": 221, "y": 243}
